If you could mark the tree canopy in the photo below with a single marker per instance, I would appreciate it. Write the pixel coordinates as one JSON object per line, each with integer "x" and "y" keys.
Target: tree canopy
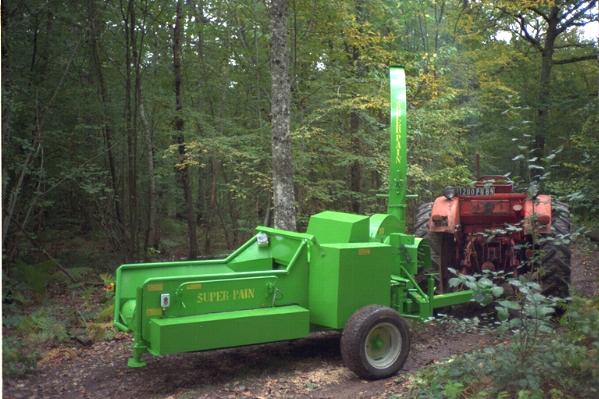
{"x": 121, "y": 120}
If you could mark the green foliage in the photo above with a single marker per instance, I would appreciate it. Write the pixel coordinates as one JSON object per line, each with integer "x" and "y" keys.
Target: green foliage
{"x": 579, "y": 187}
{"x": 17, "y": 358}
{"x": 34, "y": 326}
{"x": 537, "y": 360}
{"x": 469, "y": 91}
{"x": 31, "y": 334}
{"x": 34, "y": 277}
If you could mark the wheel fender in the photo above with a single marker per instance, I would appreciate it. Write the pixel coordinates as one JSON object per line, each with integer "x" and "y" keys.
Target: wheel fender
{"x": 445, "y": 215}
{"x": 538, "y": 209}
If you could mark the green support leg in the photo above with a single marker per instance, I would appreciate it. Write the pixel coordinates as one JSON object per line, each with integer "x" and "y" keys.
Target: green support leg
{"x": 430, "y": 285}
{"x": 139, "y": 348}
{"x": 136, "y": 361}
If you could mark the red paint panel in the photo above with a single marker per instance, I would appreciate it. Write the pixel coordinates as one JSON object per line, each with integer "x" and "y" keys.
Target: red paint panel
{"x": 541, "y": 208}
{"x": 490, "y": 212}
{"x": 445, "y": 215}
{"x": 490, "y": 208}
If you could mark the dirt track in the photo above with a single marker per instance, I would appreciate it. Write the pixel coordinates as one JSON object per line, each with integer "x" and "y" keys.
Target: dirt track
{"x": 309, "y": 367}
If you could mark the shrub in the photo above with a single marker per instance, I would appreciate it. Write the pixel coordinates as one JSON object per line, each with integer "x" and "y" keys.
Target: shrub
{"x": 28, "y": 336}
{"x": 539, "y": 360}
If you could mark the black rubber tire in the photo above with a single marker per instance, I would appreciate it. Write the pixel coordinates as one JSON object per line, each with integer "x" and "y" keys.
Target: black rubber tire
{"x": 354, "y": 336}
{"x": 442, "y": 245}
{"x": 555, "y": 255}
{"x": 423, "y": 215}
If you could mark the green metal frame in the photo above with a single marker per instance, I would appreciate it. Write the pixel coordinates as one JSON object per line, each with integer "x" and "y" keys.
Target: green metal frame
{"x": 289, "y": 284}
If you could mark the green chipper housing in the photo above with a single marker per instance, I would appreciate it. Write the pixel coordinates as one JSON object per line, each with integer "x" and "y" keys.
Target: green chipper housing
{"x": 347, "y": 272}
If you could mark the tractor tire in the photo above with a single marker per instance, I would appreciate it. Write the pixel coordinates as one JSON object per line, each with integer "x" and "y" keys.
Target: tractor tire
{"x": 375, "y": 342}
{"x": 423, "y": 215}
{"x": 442, "y": 248}
{"x": 555, "y": 255}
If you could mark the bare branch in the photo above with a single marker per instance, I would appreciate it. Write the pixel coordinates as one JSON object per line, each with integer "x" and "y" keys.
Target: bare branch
{"x": 573, "y": 20}
{"x": 585, "y": 22}
{"x": 523, "y": 31}
{"x": 570, "y": 45}
{"x": 575, "y": 59}
{"x": 526, "y": 35}
{"x": 571, "y": 10}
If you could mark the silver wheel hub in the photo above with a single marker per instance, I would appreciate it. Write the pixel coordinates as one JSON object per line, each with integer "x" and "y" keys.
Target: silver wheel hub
{"x": 383, "y": 345}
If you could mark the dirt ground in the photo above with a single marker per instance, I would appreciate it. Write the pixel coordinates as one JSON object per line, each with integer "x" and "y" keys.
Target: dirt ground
{"x": 307, "y": 368}
{"x": 585, "y": 271}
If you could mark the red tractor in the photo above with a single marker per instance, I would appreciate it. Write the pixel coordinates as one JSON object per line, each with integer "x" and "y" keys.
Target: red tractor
{"x": 489, "y": 226}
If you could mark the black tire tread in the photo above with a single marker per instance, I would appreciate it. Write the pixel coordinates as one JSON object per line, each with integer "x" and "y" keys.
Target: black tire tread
{"x": 423, "y": 216}
{"x": 556, "y": 257}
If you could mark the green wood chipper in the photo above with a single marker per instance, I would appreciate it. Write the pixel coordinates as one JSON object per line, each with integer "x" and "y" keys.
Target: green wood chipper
{"x": 347, "y": 272}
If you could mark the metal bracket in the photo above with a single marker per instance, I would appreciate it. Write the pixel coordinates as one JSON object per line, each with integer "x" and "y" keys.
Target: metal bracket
{"x": 276, "y": 295}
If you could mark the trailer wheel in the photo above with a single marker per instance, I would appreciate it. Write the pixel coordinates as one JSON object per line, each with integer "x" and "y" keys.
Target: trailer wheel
{"x": 375, "y": 342}
{"x": 555, "y": 255}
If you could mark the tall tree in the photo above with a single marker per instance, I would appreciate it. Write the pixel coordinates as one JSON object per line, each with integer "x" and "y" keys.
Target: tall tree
{"x": 282, "y": 162}
{"x": 128, "y": 17}
{"x": 355, "y": 170}
{"x": 183, "y": 168}
{"x": 105, "y": 102}
{"x": 541, "y": 23}
{"x": 469, "y": 87}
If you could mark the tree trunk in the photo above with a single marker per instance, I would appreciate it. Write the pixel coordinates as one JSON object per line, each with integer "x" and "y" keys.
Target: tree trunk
{"x": 6, "y": 115}
{"x": 131, "y": 221}
{"x": 205, "y": 211}
{"x": 105, "y": 103}
{"x": 132, "y": 133}
{"x": 231, "y": 205}
{"x": 152, "y": 239}
{"x": 10, "y": 210}
{"x": 282, "y": 163}
{"x": 6, "y": 83}
{"x": 544, "y": 95}
{"x": 356, "y": 168}
{"x": 183, "y": 172}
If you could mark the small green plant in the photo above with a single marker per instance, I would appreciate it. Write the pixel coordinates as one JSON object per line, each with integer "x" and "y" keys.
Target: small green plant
{"x": 539, "y": 359}
{"x": 17, "y": 359}
{"x": 108, "y": 281}
{"x": 526, "y": 314}
{"x": 28, "y": 336}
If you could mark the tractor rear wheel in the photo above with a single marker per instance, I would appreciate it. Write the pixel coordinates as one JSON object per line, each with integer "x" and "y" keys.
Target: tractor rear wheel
{"x": 555, "y": 254}
{"x": 442, "y": 246}
{"x": 375, "y": 342}
{"x": 423, "y": 215}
